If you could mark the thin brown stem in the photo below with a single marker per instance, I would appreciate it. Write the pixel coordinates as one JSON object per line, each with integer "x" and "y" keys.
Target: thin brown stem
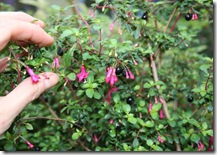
{"x": 86, "y": 23}
{"x": 171, "y": 17}
{"x": 175, "y": 22}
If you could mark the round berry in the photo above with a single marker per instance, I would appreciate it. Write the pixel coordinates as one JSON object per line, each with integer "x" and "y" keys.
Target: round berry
{"x": 36, "y": 149}
{"x": 130, "y": 100}
{"x": 190, "y": 99}
{"x": 118, "y": 70}
{"x": 124, "y": 73}
{"x": 59, "y": 51}
{"x": 145, "y": 16}
{"x": 188, "y": 16}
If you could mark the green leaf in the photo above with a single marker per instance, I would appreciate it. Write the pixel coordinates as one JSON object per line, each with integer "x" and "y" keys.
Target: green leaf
{"x": 126, "y": 108}
{"x": 90, "y": 92}
{"x": 113, "y": 42}
{"x": 209, "y": 132}
{"x": 132, "y": 119}
{"x": 29, "y": 126}
{"x": 140, "y": 121}
{"x": 147, "y": 85}
{"x": 68, "y": 56}
{"x": 94, "y": 85}
{"x": 149, "y": 142}
{"x": 116, "y": 98}
{"x": 194, "y": 122}
{"x": 66, "y": 33}
{"x": 135, "y": 142}
{"x": 186, "y": 135}
{"x": 157, "y": 148}
{"x": 72, "y": 76}
{"x": 137, "y": 87}
{"x": 149, "y": 124}
{"x": 195, "y": 138}
{"x": 204, "y": 68}
{"x": 97, "y": 95}
{"x": 154, "y": 114}
{"x": 172, "y": 123}
{"x": 86, "y": 56}
{"x": 156, "y": 107}
{"x": 75, "y": 136}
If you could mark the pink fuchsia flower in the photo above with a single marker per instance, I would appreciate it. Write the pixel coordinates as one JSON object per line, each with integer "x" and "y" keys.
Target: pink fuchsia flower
{"x": 155, "y": 100}
{"x": 120, "y": 31}
{"x": 83, "y": 74}
{"x": 200, "y": 146}
{"x": 111, "y": 90}
{"x": 160, "y": 139}
{"x": 91, "y": 13}
{"x": 111, "y": 26}
{"x": 140, "y": 115}
{"x": 111, "y": 121}
{"x": 194, "y": 17}
{"x": 56, "y": 62}
{"x": 35, "y": 78}
{"x": 161, "y": 100}
{"x": 108, "y": 75}
{"x": 161, "y": 114}
{"x": 135, "y": 63}
{"x": 131, "y": 74}
{"x": 113, "y": 77}
{"x": 149, "y": 107}
{"x": 29, "y": 144}
{"x": 127, "y": 75}
{"x": 95, "y": 138}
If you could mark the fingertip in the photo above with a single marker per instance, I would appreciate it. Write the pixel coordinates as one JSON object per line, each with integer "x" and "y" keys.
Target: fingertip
{"x": 39, "y": 23}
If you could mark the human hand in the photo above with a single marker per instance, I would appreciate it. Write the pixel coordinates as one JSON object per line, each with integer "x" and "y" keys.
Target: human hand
{"x": 18, "y": 27}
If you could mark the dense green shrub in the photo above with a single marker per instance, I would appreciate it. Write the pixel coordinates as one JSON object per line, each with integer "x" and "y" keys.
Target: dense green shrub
{"x": 166, "y": 104}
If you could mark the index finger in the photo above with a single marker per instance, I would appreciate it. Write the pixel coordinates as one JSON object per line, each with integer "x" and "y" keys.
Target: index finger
{"x": 23, "y": 31}
{"x": 21, "y": 16}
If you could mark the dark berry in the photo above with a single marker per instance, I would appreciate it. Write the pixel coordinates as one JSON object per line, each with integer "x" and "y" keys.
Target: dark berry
{"x": 130, "y": 100}
{"x": 190, "y": 99}
{"x": 124, "y": 73}
{"x": 145, "y": 16}
{"x": 188, "y": 16}
{"x": 118, "y": 70}
{"x": 59, "y": 51}
{"x": 36, "y": 149}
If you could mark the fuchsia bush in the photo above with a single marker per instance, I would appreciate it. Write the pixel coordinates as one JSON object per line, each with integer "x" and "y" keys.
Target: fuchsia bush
{"x": 139, "y": 80}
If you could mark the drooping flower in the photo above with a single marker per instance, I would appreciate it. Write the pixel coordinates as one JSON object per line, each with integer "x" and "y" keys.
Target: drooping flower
{"x": 140, "y": 115}
{"x": 111, "y": 121}
{"x": 30, "y": 144}
{"x": 91, "y": 13}
{"x": 135, "y": 63}
{"x": 83, "y": 74}
{"x": 95, "y": 138}
{"x": 149, "y": 107}
{"x": 161, "y": 114}
{"x": 200, "y": 146}
{"x": 108, "y": 98}
{"x": 111, "y": 26}
{"x": 160, "y": 139}
{"x": 120, "y": 31}
{"x": 155, "y": 100}
{"x": 131, "y": 74}
{"x": 108, "y": 75}
{"x": 35, "y": 78}
{"x": 161, "y": 100}
{"x": 127, "y": 75}
{"x": 56, "y": 62}
{"x": 194, "y": 16}
{"x": 210, "y": 140}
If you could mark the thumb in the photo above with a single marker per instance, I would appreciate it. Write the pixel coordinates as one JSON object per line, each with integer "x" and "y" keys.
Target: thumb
{"x": 25, "y": 92}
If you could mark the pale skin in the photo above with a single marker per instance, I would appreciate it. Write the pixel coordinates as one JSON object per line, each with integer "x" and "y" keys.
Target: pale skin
{"x": 17, "y": 26}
